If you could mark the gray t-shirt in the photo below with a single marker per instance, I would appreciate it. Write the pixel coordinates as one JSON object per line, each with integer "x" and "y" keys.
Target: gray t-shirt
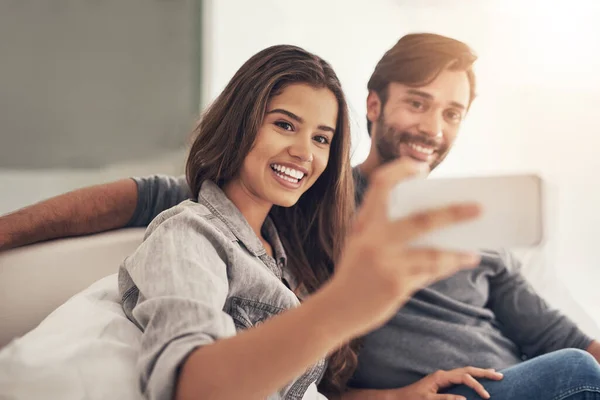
{"x": 156, "y": 194}
{"x": 487, "y": 317}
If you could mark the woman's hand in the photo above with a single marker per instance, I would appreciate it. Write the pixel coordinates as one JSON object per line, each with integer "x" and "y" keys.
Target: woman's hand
{"x": 378, "y": 270}
{"x": 428, "y": 387}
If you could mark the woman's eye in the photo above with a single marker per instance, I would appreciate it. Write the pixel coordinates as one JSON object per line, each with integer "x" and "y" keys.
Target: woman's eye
{"x": 285, "y": 125}
{"x": 322, "y": 139}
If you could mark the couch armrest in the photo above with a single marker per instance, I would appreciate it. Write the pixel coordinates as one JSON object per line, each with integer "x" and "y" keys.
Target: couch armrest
{"x": 36, "y": 279}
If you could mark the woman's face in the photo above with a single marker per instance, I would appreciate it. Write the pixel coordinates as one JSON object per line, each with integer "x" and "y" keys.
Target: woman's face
{"x": 292, "y": 146}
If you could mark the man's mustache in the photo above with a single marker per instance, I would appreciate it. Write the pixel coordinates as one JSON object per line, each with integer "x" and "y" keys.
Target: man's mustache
{"x": 424, "y": 139}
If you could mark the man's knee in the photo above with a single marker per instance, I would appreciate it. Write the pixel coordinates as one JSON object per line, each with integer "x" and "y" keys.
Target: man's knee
{"x": 580, "y": 362}
{"x": 575, "y": 356}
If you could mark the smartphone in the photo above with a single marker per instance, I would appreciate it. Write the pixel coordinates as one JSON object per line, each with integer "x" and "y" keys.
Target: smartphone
{"x": 512, "y": 210}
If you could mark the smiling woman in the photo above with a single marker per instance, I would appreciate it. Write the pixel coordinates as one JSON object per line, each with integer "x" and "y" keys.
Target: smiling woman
{"x": 269, "y": 168}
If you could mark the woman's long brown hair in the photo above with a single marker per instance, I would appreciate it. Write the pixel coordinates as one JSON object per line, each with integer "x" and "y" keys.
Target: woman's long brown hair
{"x": 312, "y": 230}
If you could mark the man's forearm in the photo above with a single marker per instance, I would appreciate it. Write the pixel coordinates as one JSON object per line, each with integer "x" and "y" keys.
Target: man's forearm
{"x": 83, "y": 211}
{"x": 594, "y": 349}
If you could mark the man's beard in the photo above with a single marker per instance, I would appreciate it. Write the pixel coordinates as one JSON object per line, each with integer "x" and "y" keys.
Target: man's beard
{"x": 388, "y": 140}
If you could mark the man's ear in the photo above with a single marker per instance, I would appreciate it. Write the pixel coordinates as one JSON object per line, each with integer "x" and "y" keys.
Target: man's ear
{"x": 373, "y": 107}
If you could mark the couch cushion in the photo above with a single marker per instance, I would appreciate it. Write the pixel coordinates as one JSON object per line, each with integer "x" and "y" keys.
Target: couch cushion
{"x": 34, "y": 280}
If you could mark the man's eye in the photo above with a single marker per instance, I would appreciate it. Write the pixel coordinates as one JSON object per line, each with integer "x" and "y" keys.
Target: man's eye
{"x": 454, "y": 116}
{"x": 416, "y": 104}
{"x": 285, "y": 125}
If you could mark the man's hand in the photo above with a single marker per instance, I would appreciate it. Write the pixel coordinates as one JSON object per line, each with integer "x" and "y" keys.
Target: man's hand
{"x": 428, "y": 387}
{"x": 594, "y": 350}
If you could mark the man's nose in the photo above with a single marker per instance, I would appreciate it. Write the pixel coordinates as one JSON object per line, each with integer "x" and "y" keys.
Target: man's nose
{"x": 431, "y": 124}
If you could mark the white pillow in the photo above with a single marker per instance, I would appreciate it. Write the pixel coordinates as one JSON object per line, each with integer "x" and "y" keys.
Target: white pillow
{"x": 85, "y": 349}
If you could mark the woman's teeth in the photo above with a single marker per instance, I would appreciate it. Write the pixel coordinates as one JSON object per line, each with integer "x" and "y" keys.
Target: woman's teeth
{"x": 422, "y": 149}
{"x": 288, "y": 174}
{"x": 287, "y": 178}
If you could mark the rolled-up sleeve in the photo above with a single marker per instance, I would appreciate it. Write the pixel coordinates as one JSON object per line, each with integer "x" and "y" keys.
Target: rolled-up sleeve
{"x": 156, "y": 194}
{"x": 175, "y": 287}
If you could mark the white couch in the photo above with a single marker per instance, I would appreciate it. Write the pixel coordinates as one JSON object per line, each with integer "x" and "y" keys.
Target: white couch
{"x": 36, "y": 279}
{"x": 87, "y": 348}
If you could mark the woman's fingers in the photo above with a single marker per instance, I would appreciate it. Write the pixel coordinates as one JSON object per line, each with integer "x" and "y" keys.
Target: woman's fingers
{"x": 381, "y": 182}
{"x": 413, "y": 226}
{"x": 374, "y": 209}
{"x": 435, "y": 264}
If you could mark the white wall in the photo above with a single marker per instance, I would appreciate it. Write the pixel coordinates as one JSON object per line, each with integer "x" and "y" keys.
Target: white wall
{"x": 537, "y": 95}
{"x": 85, "y": 83}
{"x": 93, "y": 91}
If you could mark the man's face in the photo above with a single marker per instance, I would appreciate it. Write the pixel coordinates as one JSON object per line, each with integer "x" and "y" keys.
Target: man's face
{"x": 419, "y": 122}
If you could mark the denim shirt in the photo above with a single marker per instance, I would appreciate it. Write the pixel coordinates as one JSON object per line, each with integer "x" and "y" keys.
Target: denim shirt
{"x": 201, "y": 274}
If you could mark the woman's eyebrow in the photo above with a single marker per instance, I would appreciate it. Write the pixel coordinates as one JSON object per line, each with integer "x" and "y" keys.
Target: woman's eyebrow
{"x": 298, "y": 119}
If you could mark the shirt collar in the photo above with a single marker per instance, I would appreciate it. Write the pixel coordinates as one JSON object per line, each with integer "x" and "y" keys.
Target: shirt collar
{"x": 215, "y": 199}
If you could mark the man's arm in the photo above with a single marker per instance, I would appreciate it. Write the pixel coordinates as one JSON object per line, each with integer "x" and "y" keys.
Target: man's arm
{"x": 594, "y": 349}
{"x": 524, "y": 316}
{"x": 88, "y": 210}
{"x": 127, "y": 202}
